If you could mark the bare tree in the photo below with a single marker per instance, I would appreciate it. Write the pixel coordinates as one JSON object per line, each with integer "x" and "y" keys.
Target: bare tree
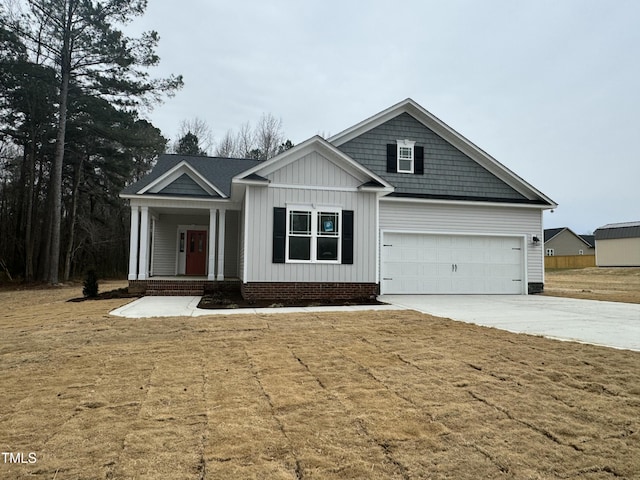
{"x": 200, "y": 128}
{"x": 245, "y": 141}
{"x": 268, "y": 135}
{"x": 227, "y": 146}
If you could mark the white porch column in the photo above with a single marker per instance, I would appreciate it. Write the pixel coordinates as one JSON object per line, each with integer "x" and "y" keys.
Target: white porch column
{"x": 212, "y": 244}
{"x": 221, "y": 226}
{"x": 144, "y": 243}
{"x": 133, "y": 243}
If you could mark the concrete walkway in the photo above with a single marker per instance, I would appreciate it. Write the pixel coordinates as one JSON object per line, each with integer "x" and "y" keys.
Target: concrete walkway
{"x": 157, "y": 306}
{"x": 589, "y": 321}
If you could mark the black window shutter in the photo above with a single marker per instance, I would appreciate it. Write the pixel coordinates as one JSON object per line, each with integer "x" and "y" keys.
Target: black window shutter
{"x": 279, "y": 233}
{"x": 347, "y": 237}
{"x": 392, "y": 158}
{"x": 418, "y": 160}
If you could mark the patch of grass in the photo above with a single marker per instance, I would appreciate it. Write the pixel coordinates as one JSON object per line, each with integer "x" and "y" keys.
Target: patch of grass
{"x": 386, "y": 395}
{"x": 608, "y": 284}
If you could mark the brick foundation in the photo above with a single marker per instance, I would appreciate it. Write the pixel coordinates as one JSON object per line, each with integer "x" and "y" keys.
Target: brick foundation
{"x": 180, "y": 287}
{"x": 308, "y": 290}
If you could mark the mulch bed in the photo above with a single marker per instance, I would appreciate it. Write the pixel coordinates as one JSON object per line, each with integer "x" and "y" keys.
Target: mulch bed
{"x": 233, "y": 299}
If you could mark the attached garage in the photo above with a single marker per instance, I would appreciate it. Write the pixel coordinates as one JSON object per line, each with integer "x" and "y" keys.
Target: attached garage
{"x": 431, "y": 263}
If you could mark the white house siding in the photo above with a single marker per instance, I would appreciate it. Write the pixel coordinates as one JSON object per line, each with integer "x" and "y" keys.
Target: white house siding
{"x": 242, "y": 229}
{"x": 259, "y": 239}
{"x": 231, "y": 244}
{"x": 314, "y": 169}
{"x": 471, "y": 219}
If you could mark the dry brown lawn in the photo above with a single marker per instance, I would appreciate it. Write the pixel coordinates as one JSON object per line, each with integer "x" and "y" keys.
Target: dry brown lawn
{"x": 612, "y": 284}
{"x": 371, "y": 395}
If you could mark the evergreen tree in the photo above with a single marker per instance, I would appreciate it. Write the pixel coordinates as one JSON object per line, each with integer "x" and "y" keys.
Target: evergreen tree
{"x": 80, "y": 41}
{"x": 189, "y": 145}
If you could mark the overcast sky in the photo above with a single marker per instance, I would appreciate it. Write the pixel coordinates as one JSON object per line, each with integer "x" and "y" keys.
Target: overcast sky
{"x": 551, "y": 89}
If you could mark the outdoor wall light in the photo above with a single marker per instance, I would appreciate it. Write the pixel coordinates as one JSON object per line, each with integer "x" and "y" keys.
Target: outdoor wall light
{"x": 535, "y": 240}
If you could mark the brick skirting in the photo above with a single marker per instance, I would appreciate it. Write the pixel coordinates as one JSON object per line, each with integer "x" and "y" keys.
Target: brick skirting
{"x": 308, "y": 290}
{"x": 180, "y": 287}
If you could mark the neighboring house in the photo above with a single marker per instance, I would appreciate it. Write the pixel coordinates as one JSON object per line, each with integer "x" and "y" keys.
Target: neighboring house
{"x": 399, "y": 203}
{"x": 564, "y": 241}
{"x": 618, "y": 245}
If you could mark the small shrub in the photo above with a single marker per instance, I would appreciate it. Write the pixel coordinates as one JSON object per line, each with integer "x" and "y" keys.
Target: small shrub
{"x": 90, "y": 288}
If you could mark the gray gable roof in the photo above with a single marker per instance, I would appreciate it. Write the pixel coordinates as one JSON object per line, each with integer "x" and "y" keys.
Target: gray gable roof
{"x": 618, "y": 230}
{"x": 218, "y": 171}
{"x": 549, "y": 233}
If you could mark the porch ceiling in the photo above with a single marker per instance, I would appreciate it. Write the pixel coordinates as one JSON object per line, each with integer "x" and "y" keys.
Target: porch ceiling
{"x": 204, "y": 212}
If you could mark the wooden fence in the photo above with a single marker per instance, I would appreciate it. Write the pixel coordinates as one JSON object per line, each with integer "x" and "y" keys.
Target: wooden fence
{"x": 570, "y": 261}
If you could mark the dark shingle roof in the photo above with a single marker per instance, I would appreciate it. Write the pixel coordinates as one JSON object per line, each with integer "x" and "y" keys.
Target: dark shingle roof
{"x": 218, "y": 171}
{"x": 618, "y": 230}
{"x": 590, "y": 239}
{"x": 549, "y": 233}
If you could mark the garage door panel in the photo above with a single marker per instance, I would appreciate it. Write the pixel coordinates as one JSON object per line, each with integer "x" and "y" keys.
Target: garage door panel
{"x": 440, "y": 264}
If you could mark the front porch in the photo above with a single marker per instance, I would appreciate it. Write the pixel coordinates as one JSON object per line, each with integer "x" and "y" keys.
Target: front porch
{"x": 182, "y": 251}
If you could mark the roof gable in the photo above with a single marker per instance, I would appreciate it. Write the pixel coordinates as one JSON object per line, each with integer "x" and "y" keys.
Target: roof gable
{"x": 552, "y": 234}
{"x": 460, "y": 165}
{"x": 173, "y": 175}
{"x": 311, "y": 156}
{"x": 185, "y": 185}
{"x": 212, "y": 174}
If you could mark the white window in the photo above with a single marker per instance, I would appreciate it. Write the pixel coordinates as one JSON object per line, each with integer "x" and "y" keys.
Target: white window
{"x": 406, "y": 156}
{"x": 313, "y": 234}
{"x": 550, "y": 252}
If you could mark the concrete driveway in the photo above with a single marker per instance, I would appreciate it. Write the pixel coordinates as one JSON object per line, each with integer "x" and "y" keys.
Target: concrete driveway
{"x": 590, "y": 321}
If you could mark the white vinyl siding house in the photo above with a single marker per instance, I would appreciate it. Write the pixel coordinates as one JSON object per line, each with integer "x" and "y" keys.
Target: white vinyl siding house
{"x": 399, "y": 203}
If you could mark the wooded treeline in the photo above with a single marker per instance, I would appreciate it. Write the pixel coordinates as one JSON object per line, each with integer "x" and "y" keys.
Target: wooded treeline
{"x": 71, "y": 89}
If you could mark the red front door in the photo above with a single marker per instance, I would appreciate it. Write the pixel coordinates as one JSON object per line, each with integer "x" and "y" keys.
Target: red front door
{"x": 196, "y": 252}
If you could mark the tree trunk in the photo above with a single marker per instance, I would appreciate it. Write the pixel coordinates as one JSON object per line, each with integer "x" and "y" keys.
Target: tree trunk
{"x": 29, "y": 197}
{"x": 56, "y": 176}
{"x": 72, "y": 221}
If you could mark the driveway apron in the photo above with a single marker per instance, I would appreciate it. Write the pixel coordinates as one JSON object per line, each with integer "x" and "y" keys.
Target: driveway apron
{"x": 589, "y": 321}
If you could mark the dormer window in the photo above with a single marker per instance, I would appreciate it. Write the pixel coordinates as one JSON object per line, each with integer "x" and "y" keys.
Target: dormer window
{"x": 405, "y": 156}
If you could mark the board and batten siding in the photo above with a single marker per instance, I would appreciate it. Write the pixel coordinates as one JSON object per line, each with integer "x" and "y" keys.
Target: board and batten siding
{"x": 469, "y": 219}
{"x": 258, "y": 246}
{"x": 314, "y": 169}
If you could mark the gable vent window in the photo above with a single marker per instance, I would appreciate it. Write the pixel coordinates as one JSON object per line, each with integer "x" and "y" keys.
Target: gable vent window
{"x": 405, "y": 156}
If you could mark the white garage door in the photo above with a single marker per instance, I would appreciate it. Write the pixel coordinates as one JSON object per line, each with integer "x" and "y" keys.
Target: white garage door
{"x": 451, "y": 264}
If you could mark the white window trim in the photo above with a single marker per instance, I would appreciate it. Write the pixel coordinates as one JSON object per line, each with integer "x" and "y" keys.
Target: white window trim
{"x": 550, "y": 252}
{"x": 406, "y": 144}
{"x": 315, "y": 211}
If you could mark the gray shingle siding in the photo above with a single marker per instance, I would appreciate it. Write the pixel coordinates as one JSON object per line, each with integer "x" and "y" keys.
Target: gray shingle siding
{"x": 184, "y": 185}
{"x": 447, "y": 171}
